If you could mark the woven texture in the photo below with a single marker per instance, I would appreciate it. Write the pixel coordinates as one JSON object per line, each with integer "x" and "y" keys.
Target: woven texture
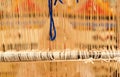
{"x": 90, "y": 25}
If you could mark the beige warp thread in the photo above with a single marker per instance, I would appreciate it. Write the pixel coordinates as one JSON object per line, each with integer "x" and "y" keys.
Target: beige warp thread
{"x": 83, "y": 55}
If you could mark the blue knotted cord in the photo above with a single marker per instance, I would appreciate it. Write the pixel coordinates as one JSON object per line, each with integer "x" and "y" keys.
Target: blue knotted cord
{"x": 52, "y": 25}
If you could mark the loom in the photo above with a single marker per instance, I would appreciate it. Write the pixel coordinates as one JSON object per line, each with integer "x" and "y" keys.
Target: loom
{"x": 59, "y": 38}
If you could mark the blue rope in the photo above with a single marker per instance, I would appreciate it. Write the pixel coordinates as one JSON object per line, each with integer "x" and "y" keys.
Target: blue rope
{"x": 52, "y": 25}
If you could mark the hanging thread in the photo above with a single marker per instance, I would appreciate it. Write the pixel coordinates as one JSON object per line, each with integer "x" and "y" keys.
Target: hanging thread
{"x": 52, "y": 25}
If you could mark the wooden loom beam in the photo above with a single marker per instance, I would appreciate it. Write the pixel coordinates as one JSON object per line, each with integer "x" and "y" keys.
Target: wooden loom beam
{"x": 22, "y": 56}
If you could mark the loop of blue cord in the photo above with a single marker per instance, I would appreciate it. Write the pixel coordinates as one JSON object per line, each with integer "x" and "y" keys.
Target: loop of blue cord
{"x": 52, "y": 25}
